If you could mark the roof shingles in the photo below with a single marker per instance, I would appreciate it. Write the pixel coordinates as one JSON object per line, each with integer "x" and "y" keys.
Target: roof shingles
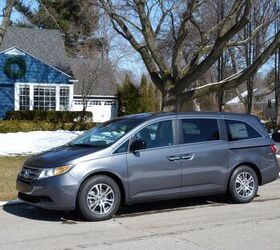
{"x": 45, "y": 44}
{"x": 98, "y": 76}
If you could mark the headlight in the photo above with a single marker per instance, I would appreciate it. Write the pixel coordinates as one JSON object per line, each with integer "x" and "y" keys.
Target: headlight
{"x": 49, "y": 172}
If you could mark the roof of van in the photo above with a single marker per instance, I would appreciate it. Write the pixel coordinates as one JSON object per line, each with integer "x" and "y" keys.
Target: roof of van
{"x": 148, "y": 116}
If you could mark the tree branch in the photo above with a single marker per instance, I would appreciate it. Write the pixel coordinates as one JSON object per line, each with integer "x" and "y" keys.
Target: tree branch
{"x": 252, "y": 36}
{"x": 238, "y": 78}
{"x": 165, "y": 13}
{"x": 125, "y": 32}
{"x": 6, "y": 18}
{"x": 150, "y": 37}
{"x": 25, "y": 10}
{"x": 182, "y": 34}
{"x": 51, "y": 16}
{"x": 188, "y": 77}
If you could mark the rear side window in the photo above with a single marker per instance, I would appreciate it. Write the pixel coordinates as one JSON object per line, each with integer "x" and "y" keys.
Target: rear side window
{"x": 237, "y": 130}
{"x": 200, "y": 130}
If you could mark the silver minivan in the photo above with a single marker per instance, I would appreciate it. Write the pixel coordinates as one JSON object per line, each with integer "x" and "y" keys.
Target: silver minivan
{"x": 152, "y": 156}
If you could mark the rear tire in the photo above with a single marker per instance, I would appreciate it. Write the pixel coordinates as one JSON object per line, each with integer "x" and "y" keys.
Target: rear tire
{"x": 99, "y": 198}
{"x": 243, "y": 185}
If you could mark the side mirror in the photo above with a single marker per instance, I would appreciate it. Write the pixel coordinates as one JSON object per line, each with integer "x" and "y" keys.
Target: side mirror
{"x": 275, "y": 136}
{"x": 138, "y": 145}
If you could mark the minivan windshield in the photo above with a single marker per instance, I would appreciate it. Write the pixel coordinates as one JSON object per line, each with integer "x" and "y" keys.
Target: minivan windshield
{"x": 105, "y": 134}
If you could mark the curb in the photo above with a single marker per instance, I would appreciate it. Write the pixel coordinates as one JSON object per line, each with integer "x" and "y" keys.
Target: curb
{"x": 11, "y": 203}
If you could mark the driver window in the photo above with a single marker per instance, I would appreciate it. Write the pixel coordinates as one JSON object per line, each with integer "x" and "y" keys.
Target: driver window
{"x": 159, "y": 134}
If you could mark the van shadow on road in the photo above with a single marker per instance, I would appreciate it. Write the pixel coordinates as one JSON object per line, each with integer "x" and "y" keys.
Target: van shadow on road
{"x": 30, "y": 212}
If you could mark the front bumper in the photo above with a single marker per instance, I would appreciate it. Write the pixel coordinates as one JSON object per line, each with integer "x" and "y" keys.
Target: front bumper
{"x": 54, "y": 193}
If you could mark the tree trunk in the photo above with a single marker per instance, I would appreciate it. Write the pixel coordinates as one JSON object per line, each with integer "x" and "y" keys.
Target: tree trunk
{"x": 172, "y": 103}
{"x": 249, "y": 98}
{"x": 277, "y": 86}
{"x": 175, "y": 103}
{"x": 169, "y": 102}
{"x": 195, "y": 105}
{"x": 220, "y": 95}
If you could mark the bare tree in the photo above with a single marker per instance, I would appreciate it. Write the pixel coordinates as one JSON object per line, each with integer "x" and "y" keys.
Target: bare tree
{"x": 143, "y": 23}
{"x": 6, "y": 16}
{"x": 92, "y": 73}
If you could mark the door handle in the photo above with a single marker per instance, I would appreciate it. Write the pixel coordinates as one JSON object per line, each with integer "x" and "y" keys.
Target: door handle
{"x": 188, "y": 157}
{"x": 174, "y": 158}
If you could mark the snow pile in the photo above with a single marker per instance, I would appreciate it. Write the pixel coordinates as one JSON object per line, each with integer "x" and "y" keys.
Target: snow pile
{"x": 236, "y": 99}
{"x": 34, "y": 142}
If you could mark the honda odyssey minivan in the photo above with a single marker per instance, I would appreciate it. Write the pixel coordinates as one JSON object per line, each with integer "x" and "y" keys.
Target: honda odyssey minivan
{"x": 152, "y": 156}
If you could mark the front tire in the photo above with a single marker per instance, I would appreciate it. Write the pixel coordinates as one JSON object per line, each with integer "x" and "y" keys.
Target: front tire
{"x": 99, "y": 198}
{"x": 243, "y": 185}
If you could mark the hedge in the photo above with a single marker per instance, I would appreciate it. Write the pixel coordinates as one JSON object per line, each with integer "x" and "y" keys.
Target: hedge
{"x": 49, "y": 116}
{"x": 272, "y": 126}
{"x": 27, "y": 126}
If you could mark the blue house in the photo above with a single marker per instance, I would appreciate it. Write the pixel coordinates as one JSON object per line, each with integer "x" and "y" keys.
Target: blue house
{"x": 37, "y": 74}
{"x": 34, "y": 72}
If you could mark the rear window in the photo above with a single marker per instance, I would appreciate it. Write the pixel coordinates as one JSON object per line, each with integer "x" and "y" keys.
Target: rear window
{"x": 237, "y": 130}
{"x": 200, "y": 130}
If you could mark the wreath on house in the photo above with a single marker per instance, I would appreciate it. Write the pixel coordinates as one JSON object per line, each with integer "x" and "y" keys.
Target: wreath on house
{"x": 9, "y": 68}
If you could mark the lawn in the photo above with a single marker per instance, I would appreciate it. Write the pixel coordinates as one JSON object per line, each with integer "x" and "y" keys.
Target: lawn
{"x": 9, "y": 168}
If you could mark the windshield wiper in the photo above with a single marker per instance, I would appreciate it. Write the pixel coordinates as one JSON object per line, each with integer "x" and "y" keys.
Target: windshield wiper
{"x": 87, "y": 145}
{"x": 80, "y": 145}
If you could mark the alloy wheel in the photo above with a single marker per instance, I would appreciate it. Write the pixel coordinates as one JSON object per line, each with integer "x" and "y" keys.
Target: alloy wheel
{"x": 100, "y": 199}
{"x": 245, "y": 184}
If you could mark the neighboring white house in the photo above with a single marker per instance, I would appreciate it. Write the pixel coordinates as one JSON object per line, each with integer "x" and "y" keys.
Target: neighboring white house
{"x": 236, "y": 100}
{"x": 263, "y": 105}
{"x": 97, "y": 85}
{"x": 103, "y": 108}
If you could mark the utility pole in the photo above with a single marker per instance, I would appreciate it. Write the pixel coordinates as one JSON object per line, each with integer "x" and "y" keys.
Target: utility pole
{"x": 277, "y": 67}
{"x": 221, "y": 60}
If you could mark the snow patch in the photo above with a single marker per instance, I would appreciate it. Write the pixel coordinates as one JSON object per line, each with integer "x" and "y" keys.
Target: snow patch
{"x": 236, "y": 99}
{"x": 12, "y": 144}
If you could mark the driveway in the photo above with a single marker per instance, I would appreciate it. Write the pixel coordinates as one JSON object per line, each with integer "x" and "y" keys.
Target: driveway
{"x": 204, "y": 223}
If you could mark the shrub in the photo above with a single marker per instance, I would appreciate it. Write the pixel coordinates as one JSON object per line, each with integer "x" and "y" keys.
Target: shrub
{"x": 49, "y": 116}
{"x": 272, "y": 126}
{"x": 27, "y": 126}
{"x": 128, "y": 97}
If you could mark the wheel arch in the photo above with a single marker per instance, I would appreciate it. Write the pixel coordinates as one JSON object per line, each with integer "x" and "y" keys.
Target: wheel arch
{"x": 111, "y": 175}
{"x": 251, "y": 165}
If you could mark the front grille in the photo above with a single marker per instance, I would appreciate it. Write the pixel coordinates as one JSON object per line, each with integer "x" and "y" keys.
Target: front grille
{"x": 34, "y": 199}
{"x": 29, "y": 174}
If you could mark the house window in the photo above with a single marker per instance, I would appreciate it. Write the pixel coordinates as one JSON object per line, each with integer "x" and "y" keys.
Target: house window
{"x": 110, "y": 103}
{"x": 94, "y": 103}
{"x": 78, "y": 102}
{"x": 24, "y": 98}
{"x": 44, "y": 98}
{"x": 64, "y": 98}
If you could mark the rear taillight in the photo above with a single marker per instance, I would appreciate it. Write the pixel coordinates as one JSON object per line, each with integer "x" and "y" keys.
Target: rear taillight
{"x": 273, "y": 148}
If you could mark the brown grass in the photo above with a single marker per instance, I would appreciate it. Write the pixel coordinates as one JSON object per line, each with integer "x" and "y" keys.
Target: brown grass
{"x": 9, "y": 169}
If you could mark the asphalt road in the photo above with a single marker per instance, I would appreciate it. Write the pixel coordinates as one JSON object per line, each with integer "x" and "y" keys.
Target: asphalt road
{"x": 204, "y": 223}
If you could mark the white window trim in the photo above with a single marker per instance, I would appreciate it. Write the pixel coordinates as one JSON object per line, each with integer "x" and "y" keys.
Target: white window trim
{"x": 31, "y": 91}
